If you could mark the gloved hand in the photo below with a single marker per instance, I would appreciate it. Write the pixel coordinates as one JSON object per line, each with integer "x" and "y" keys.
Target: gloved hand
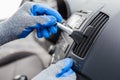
{"x": 26, "y": 19}
{"x": 59, "y": 71}
{"x": 44, "y": 30}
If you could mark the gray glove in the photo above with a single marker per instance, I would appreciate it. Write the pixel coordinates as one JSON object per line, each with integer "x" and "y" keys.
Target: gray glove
{"x": 22, "y": 20}
{"x": 59, "y": 71}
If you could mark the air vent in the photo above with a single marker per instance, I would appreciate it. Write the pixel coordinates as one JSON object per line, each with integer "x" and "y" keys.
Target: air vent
{"x": 96, "y": 24}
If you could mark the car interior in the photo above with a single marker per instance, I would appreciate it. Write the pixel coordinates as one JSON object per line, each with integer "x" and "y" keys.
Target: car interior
{"x": 96, "y": 56}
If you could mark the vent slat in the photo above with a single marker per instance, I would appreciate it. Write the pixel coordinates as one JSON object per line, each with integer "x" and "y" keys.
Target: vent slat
{"x": 89, "y": 41}
{"x": 97, "y": 23}
{"x": 95, "y": 20}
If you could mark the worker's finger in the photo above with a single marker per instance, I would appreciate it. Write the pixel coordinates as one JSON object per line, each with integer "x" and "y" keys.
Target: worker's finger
{"x": 53, "y": 29}
{"x": 43, "y": 10}
{"x": 68, "y": 73}
{"x": 45, "y": 33}
{"x": 39, "y": 33}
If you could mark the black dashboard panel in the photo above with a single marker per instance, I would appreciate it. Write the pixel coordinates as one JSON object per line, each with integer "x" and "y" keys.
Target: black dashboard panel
{"x": 97, "y": 56}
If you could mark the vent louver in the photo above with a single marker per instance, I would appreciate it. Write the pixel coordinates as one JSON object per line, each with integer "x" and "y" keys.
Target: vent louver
{"x": 97, "y": 23}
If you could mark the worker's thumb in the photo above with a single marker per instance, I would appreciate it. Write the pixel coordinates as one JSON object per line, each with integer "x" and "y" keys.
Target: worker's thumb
{"x": 65, "y": 65}
{"x": 43, "y": 21}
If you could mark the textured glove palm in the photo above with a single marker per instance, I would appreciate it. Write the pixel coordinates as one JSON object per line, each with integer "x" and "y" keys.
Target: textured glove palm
{"x": 59, "y": 71}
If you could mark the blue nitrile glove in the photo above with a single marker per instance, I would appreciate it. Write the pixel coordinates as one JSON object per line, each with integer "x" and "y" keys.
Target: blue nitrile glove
{"x": 43, "y": 30}
{"x": 59, "y": 71}
{"x": 28, "y": 17}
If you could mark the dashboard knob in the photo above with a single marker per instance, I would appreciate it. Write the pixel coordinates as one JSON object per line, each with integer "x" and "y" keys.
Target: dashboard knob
{"x": 52, "y": 49}
{"x": 20, "y": 77}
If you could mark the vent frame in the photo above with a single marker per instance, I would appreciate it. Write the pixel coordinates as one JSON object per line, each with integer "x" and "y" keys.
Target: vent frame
{"x": 97, "y": 24}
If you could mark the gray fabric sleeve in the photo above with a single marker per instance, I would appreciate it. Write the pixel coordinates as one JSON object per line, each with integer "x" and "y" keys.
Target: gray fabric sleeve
{"x": 8, "y": 33}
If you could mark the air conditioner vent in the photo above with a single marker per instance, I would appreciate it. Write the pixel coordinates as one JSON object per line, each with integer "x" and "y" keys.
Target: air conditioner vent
{"x": 97, "y": 23}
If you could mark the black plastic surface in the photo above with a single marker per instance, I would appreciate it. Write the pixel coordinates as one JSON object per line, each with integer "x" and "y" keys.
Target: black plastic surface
{"x": 103, "y": 61}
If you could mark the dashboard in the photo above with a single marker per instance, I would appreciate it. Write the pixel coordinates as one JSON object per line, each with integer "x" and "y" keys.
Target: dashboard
{"x": 96, "y": 52}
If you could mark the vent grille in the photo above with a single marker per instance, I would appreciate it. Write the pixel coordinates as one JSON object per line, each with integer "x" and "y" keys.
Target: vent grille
{"x": 97, "y": 23}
